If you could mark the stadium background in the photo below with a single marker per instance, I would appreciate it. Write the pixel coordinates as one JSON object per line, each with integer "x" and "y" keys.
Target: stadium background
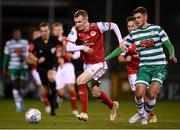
{"x": 27, "y": 14}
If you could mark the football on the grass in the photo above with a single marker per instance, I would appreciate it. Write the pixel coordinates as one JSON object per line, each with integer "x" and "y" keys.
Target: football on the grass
{"x": 33, "y": 116}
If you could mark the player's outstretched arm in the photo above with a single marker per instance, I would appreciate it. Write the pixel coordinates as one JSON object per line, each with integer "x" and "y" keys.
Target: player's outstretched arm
{"x": 171, "y": 51}
{"x": 113, "y": 54}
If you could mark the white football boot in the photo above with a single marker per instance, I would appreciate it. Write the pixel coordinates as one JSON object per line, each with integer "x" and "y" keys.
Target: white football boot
{"x": 75, "y": 113}
{"x": 135, "y": 118}
{"x": 83, "y": 116}
{"x": 113, "y": 113}
{"x": 144, "y": 121}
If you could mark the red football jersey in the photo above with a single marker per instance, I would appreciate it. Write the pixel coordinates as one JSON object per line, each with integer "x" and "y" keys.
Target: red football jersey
{"x": 95, "y": 40}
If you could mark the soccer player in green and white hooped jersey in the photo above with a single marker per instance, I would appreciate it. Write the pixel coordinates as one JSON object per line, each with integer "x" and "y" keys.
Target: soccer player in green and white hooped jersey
{"x": 152, "y": 68}
{"x": 15, "y": 53}
{"x": 152, "y": 71}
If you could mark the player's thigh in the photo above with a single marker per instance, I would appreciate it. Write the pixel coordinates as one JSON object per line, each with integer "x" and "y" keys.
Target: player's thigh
{"x": 143, "y": 76}
{"x": 159, "y": 74}
{"x": 13, "y": 74}
{"x": 60, "y": 80}
{"x": 101, "y": 70}
{"x": 23, "y": 74}
{"x": 60, "y": 91}
{"x": 96, "y": 70}
{"x": 43, "y": 76}
{"x": 70, "y": 87}
{"x": 84, "y": 78}
{"x": 69, "y": 73}
{"x": 51, "y": 75}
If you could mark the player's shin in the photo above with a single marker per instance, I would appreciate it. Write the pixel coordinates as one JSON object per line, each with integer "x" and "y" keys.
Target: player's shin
{"x": 83, "y": 94}
{"x": 104, "y": 98}
{"x": 140, "y": 105}
{"x": 149, "y": 107}
{"x": 18, "y": 100}
{"x": 73, "y": 100}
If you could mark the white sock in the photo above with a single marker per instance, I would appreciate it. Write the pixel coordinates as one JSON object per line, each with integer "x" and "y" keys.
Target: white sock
{"x": 17, "y": 98}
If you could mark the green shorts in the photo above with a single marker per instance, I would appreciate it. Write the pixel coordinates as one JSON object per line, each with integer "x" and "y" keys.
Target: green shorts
{"x": 148, "y": 74}
{"x": 18, "y": 74}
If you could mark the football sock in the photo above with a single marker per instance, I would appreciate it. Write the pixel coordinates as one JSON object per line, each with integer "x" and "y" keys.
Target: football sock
{"x": 18, "y": 99}
{"x": 140, "y": 105}
{"x": 44, "y": 99}
{"x": 73, "y": 100}
{"x": 149, "y": 107}
{"x": 53, "y": 94}
{"x": 104, "y": 98}
{"x": 83, "y": 95}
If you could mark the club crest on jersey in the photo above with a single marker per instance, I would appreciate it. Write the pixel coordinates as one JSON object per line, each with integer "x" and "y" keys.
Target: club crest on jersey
{"x": 92, "y": 33}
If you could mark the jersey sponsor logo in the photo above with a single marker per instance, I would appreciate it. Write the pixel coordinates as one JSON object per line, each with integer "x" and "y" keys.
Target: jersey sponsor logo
{"x": 92, "y": 33}
{"x": 19, "y": 52}
{"x": 89, "y": 44}
{"x": 147, "y": 43}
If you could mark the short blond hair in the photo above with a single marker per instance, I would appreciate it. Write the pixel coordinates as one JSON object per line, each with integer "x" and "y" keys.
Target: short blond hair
{"x": 84, "y": 13}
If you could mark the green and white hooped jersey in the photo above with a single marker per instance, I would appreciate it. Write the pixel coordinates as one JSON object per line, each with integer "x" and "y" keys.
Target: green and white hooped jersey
{"x": 17, "y": 51}
{"x": 149, "y": 42}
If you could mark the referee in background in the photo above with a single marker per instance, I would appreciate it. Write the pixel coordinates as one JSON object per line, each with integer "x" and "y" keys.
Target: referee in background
{"x": 43, "y": 54}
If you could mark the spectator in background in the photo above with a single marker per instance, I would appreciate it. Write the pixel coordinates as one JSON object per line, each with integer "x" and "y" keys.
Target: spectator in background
{"x": 14, "y": 63}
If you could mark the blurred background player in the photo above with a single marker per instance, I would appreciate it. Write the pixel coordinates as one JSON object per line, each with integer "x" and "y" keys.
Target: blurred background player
{"x": 149, "y": 39}
{"x": 14, "y": 60}
{"x": 90, "y": 37}
{"x": 36, "y": 77}
{"x": 132, "y": 59}
{"x": 65, "y": 76}
{"x": 43, "y": 53}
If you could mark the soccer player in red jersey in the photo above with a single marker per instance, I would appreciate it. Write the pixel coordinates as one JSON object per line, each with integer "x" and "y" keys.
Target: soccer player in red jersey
{"x": 65, "y": 76}
{"x": 89, "y": 37}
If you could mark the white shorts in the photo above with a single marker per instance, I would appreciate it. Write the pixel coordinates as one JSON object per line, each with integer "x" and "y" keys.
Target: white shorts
{"x": 132, "y": 78}
{"x": 65, "y": 75}
{"x": 36, "y": 77}
{"x": 97, "y": 70}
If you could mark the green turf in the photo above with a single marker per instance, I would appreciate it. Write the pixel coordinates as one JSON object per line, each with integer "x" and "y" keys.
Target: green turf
{"x": 168, "y": 116}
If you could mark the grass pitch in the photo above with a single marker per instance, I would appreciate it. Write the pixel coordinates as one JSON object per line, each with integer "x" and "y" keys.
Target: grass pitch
{"x": 168, "y": 116}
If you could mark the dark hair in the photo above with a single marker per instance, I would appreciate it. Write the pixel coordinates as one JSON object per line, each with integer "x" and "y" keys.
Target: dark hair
{"x": 57, "y": 24}
{"x": 130, "y": 18}
{"x": 43, "y": 24}
{"x": 141, "y": 10}
{"x": 80, "y": 12}
{"x": 16, "y": 29}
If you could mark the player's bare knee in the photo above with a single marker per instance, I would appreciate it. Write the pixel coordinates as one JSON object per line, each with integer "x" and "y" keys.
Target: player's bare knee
{"x": 70, "y": 88}
{"x": 96, "y": 91}
{"x": 152, "y": 94}
{"x": 60, "y": 93}
{"x": 51, "y": 75}
{"x": 139, "y": 94}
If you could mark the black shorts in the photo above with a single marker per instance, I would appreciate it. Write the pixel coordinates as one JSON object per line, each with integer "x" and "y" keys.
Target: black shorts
{"x": 43, "y": 74}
